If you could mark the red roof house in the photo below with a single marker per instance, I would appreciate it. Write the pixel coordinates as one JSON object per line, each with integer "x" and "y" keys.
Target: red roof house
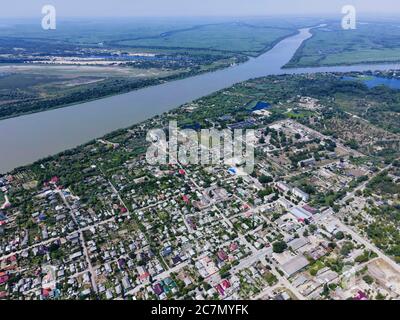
{"x": 185, "y": 198}
{"x": 123, "y": 210}
{"x": 226, "y": 284}
{"x": 4, "y": 279}
{"x": 54, "y": 179}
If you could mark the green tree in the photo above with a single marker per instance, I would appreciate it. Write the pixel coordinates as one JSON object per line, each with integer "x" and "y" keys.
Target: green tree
{"x": 279, "y": 246}
{"x": 265, "y": 179}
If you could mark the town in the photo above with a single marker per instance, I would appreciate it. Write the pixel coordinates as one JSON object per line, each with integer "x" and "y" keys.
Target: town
{"x": 318, "y": 217}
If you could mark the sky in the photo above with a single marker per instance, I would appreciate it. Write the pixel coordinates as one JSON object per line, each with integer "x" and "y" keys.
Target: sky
{"x": 189, "y": 8}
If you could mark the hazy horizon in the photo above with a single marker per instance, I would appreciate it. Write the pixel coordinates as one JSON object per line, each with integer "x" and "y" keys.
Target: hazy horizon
{"x": 191, "y": 8}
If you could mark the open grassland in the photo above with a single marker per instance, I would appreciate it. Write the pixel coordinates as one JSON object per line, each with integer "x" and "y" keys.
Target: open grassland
{"x": 235, "y": 37}
{"x": 331, "y": 45}
{"x": 84, "y": 31}
{"x": 38, "y": 88}
{"x": 74, "y": 71}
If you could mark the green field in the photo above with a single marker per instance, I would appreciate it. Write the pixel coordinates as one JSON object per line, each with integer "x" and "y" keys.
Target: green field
{"x": 331, "y": 45}
{"x": 234, "y": 37}
{"x": 247, "y": 35}
{"x": 83, "y": 31}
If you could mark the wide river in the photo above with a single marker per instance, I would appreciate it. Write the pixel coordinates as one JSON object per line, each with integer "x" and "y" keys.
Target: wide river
{"x": 26, "y": 139}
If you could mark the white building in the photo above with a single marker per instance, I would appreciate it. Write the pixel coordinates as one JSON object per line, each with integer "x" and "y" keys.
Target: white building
{"x": 301, "y": 194}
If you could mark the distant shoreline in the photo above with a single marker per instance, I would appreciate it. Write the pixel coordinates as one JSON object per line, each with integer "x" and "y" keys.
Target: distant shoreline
{"x": 153, "y": 82}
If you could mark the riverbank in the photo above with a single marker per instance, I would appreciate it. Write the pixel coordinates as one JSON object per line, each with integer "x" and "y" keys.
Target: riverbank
{"x": 129, "y": 87}
{"x": 43, "y": 134}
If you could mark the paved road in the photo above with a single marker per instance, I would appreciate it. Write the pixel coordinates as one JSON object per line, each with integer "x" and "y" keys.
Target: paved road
{"x": 363, "y": 185}
{"x": 367, "y": 244}
{"x": 84, "y": 247}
